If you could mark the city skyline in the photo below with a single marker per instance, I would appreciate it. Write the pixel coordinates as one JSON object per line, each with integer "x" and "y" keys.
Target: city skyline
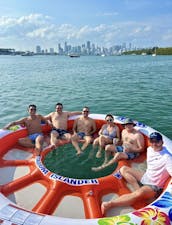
{"x": 87, "y": 48}
{"x": 106, "y": 23}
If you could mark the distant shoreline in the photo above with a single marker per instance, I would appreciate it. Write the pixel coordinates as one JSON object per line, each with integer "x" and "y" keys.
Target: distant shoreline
{"x": 151, "y": 51}
{"x": 145, "y": 51}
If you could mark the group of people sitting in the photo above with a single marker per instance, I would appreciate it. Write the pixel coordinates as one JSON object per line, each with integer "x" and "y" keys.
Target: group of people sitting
{"x": 127, "y": 144}
{"x": 84, "y": 127}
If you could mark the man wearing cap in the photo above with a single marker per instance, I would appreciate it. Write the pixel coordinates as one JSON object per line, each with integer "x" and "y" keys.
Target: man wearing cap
{"x": 132, "y": 146}
{"x": 149, "y": 184}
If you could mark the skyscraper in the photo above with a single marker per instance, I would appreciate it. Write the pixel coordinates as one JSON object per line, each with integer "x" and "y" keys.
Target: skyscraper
{"x": 38, "y": 49}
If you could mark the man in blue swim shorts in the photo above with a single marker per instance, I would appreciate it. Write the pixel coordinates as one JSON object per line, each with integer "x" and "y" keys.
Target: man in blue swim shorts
{"x": 84, "y": 127}
{"x": 33, "y": 137}
{"x": 131, "y": 155}
{"x": 33, "y": 124}
{"x": 132, "y": 146}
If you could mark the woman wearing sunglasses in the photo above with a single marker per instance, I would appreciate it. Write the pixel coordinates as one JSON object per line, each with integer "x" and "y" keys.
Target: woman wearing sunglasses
{"x": 107, "y": 133}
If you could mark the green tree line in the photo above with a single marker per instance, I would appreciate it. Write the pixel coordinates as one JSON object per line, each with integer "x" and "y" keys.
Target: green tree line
{"x": 150, "y": 51}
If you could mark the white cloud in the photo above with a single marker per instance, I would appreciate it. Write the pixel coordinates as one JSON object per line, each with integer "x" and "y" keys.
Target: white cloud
{"x": 107, "y": 14}
{"x": 147, "y": 28}
{"x": 38, "y": 33}
{"x": 6, "y": 21}
{"x": 39, "y": 29}
{"x": 110, "y": 14}
{"x": 22, "y": 25}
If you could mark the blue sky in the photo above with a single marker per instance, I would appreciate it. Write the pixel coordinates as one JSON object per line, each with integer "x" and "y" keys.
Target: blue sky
{"x": 27, "y": 23}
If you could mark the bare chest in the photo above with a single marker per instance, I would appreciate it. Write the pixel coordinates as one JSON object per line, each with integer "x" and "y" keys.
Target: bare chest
{"x": 59, "y": 117}
{"x": 33, "y": 124}
{"x": 129, "y": 138}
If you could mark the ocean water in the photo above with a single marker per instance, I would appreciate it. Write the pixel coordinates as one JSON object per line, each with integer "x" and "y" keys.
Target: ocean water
{"x": 135, "y": 86}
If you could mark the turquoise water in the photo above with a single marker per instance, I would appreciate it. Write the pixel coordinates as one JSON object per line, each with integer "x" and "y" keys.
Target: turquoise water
{"x": 134, "y": 86}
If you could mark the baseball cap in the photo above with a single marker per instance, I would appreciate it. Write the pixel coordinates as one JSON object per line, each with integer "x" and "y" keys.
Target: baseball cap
{"x": 156, "y": 136}
{"x": 128, "y": 121}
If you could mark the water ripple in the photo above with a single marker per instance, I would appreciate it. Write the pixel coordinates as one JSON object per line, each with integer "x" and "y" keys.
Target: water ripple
{"x": 134, "y": 86}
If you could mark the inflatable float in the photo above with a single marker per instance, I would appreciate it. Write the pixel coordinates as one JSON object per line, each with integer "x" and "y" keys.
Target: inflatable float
{"x": 23, "y": 172}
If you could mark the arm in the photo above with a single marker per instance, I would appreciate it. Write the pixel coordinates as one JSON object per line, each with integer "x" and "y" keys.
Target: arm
{"x": 74, "y": 113}
{"x": 117, "y": 140}
{"x": 122, "y": 136}
{"x": 93, "y": 127}
{"x": 140, "y": 143}
{"x": 101, "y": 130}
{"x": 17, "y": 122}
{"x": 75, "y": 126}
{"x": 46, "y": 120}
{"x": 169, "y": 165}
{"x": 118, "y": 135}
{"x": 48, "y": 117}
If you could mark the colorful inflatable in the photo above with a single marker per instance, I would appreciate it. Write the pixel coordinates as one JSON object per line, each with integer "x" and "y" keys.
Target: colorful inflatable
{"x": 43, "y": 191}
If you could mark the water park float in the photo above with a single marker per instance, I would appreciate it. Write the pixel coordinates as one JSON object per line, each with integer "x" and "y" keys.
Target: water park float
{"x": 30, "y": 194}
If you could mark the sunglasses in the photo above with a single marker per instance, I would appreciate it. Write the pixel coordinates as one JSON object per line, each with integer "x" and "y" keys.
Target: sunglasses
{"x": 32, "y": 109}
{"x": 109, "y": 120}
{"x": 59, "y": 108}
{"x": 85, "y": 111}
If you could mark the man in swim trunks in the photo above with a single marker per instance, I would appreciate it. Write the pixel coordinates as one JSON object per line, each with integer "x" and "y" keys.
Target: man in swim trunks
{"x": 59, "y": 120}
{"x": 149, "y": 184}
{"x": 33, "y": 125}
{"x": 132, "y": 146}
{"x": 84, "y": 127}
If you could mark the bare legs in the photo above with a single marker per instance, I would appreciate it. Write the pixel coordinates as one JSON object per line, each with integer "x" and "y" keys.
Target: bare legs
{"x": 101, "y": 141}
{"x": 26, "y": 142}
{"x": 110, "y": 149}
{"x": 38, "y": 144}
{"x": 75, "y": 139}
{"x": 131, "y": 176}
{"x": 54, "y": 138}
{"x": 144, "y": 192}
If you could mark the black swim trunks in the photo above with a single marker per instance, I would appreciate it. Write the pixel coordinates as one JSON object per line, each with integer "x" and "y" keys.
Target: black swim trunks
{"x": 60, "y": 132}
{"x": 155, "y": 188}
